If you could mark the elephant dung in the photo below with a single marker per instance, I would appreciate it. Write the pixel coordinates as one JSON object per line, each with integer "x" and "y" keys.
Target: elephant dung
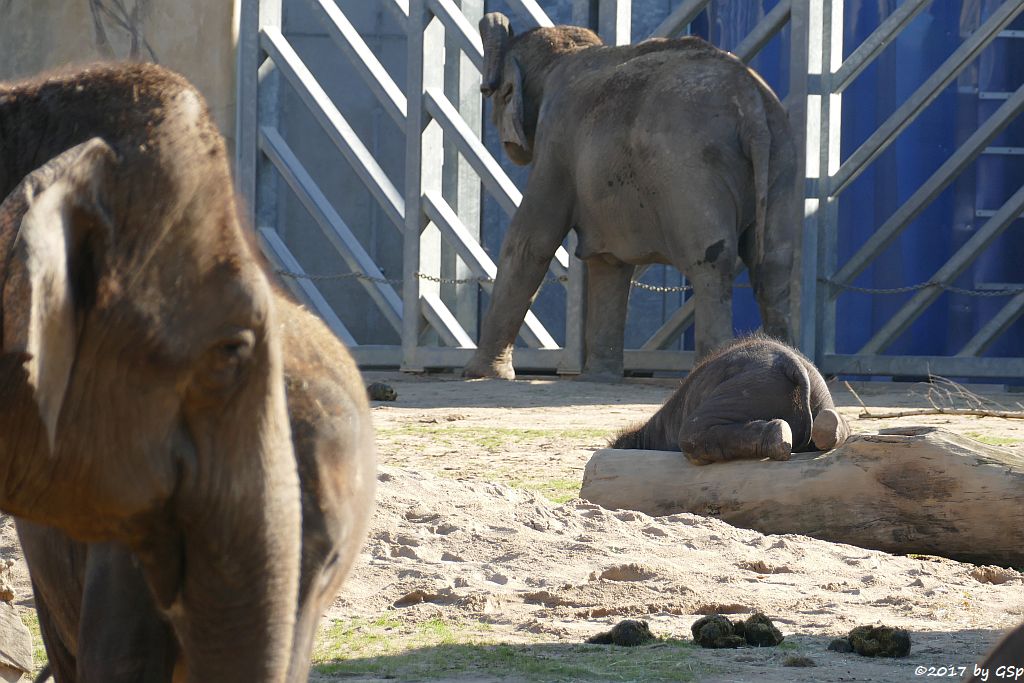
{"x": 628, "y": 633}
{"x": 880, "y": 641}
{"x": 716, "y": 631}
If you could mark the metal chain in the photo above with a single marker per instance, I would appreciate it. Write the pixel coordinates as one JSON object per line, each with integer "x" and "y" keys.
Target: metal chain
{"x": 335, "y": 276}
{"x": 550, "y": 279}
{"x": 1010, "y": 291}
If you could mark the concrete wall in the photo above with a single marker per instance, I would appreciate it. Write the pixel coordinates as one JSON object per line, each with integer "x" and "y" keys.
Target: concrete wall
{"x": 194, "y": 37}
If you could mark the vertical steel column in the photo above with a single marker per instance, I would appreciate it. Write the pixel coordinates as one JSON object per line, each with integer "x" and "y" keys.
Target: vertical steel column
{"x": 584, "y": 13}
{"x": 247, "y": 61}
{"x": 256, "y": 105}
{"x": 797, "y": 102}
{"x": 460, "y": 184}
{"x": 829, "y": 162}
{"x": 416, "y": 120}
{"x": 823, "y": 20}
{"x": 268, "y": 113}
{"x": 614, "y": 19}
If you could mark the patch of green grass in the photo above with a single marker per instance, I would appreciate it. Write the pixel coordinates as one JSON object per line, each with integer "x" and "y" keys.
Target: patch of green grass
{"x": 555, "y": 490}
{"x": 494, "y": 438}
{"x": 31, "y": 621}
{"x": 994, "y": 440}
{"x": 439, "y": 649}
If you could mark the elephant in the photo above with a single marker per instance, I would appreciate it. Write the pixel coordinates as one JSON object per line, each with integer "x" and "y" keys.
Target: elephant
{"x": 666, "y": 151}
{"x": 754, "y": 398}
{"x": 97, "y": 617}
{"x": 1004, "y": 661}
{"x": 142, "y": 389}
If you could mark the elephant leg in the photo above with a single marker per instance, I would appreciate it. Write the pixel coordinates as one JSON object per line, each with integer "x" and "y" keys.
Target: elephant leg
{"x": 771, "y": 279}
{"x": 61, "y": 661}
{"x": 712, "y": 290}
{"x": 122, "y": 634}
{"x": 607, "y": 298}
{"x": 829, "y": 430}
{"x": 704, "y": 439}
{"x": 540, "y": 224}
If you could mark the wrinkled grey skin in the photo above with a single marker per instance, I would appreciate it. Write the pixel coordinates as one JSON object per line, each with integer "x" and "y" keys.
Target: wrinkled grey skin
{"x": 142, "y": 396}
{"x": 755, "y": 398}
{"x": 98, "y": 619}
{"x": 668, "y": 151}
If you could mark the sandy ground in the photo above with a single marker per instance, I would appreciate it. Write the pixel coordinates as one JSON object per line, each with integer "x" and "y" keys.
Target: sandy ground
{"x": 478, "y": 525}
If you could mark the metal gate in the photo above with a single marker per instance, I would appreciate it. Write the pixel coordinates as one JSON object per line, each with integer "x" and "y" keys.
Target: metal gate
{"x": 444, "y": 265}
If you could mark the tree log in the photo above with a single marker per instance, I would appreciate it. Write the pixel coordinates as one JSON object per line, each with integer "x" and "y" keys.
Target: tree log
{"x": 908, "y": 490}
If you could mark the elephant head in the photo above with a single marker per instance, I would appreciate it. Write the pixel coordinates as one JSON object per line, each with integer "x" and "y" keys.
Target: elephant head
{"x": 141, "y": 386}
{"x": 515, "y": 68}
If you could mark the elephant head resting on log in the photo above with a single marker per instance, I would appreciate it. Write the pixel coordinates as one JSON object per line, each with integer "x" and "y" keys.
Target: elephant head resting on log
{"x": 668, "y": 151}
{"x": 755, "y": 398}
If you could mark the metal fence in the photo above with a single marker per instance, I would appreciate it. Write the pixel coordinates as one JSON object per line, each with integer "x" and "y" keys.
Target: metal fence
{"x": 444, "y": 265}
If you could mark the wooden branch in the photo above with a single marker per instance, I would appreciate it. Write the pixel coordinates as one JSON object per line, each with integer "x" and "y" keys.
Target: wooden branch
{"x": 942, "y": 390}
{"x": 913, "y": 490}
{"x": 1006, "y": 414}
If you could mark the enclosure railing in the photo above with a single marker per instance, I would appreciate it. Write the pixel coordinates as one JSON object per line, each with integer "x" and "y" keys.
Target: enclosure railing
{"x": 433, "y": 218}
{"x": 829, "y": 177}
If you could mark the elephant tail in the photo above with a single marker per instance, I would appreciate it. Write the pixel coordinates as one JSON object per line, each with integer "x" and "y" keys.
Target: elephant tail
{"x": 757, "y": 142}
{"x": 803, "y": 420}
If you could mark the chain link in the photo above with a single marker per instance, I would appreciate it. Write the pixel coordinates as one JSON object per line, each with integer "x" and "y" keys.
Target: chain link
{"x": 1009, "y": 291}
{"x": 550, "y": 279}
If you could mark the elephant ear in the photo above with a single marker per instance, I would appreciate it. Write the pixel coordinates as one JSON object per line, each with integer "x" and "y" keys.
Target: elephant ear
{"x": 510, "y": 127}
{"x": 46, "y": 228}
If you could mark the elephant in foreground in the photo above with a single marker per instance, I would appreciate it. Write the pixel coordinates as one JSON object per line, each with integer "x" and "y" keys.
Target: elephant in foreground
{"x": 667, "y": 151}
{"x": 97, "y": 616}
{"x": 142, "y": 391}
{"x": 755, "y": 398}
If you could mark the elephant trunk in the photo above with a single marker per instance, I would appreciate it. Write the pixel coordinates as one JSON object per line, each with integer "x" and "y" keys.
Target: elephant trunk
{"x": 237, "y": 549}
{"x": 495, "y": 33}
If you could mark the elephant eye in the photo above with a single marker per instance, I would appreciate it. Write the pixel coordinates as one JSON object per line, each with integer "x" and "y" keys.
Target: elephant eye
{"x": 506, "y": 93}
{"x": 227, "y": 358}
{"x": 238, "y": 347}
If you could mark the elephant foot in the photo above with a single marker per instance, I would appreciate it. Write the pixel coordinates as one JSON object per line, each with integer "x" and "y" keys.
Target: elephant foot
{"x": 601, "y": 370}
{"x": 500, "y": 368}
{"x": 777, "y": 440}
{"x": 829, "y": 430}
{"x": 605, "y": 377}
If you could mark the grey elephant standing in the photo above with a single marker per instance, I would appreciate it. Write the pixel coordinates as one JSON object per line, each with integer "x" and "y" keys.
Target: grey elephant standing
{"x": 754, "y": 398}
{"x": 97, "y": 617}
{"x": 668, "y": 151}
{"x": 142, "y": 389}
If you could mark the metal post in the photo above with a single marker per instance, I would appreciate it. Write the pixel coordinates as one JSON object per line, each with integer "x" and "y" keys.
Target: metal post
{"x": 246, "y": 63}
{"x": 798, "y": 100}
{"x": 829, "y": 160}
{"x": 416, "y": 118}
{"x": 614, "y": 21}
{"x": 257, "y": 94}
{"x": 460, "y": 184}
{"x": 268, "y": 112}
{"x": 584, "y": 13}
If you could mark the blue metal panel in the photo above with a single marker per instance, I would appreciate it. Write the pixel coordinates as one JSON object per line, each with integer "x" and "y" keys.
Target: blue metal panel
{"x": 1000, "y": 69}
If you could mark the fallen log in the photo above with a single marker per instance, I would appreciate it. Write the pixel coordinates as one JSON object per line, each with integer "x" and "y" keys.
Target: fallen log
{"x": 908, "y": 490}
